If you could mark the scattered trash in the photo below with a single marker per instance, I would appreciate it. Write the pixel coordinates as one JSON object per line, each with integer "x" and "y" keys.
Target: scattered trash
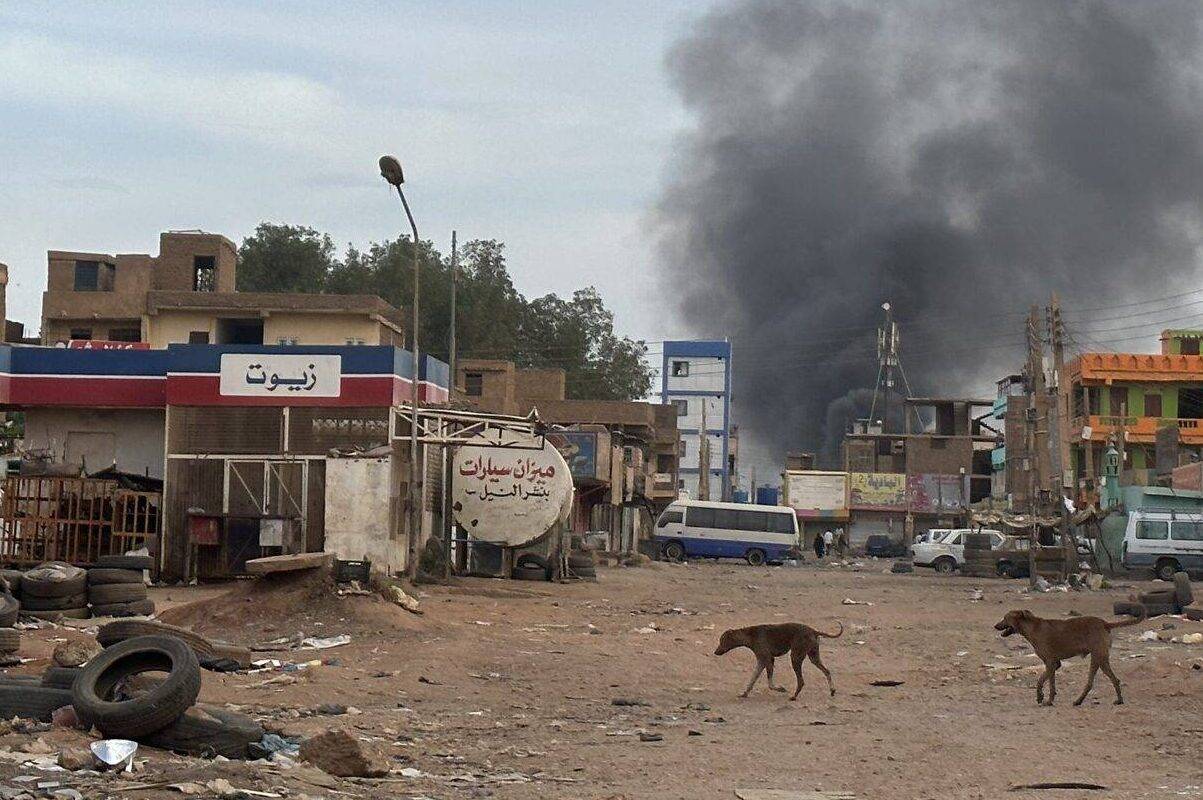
{"x": 1058, "y": 785}
{"x": 886, "y": 683}
{"x": 116, "y": 752}
{"x": 397, "y": 595}
{"x": 976, "y": 596}
{"x": 1193, "y": 638}
{"x": 644, "y": 736}
{"x": 848, "y": 601}
{"x": 1149, "y": 636}
{"x": 310, "y": 643}
{"x": 428, "y": 681}
{"x": 648, "y": 629}
{"x": 1042, "y": 585}
{"x": 629, "y": 702}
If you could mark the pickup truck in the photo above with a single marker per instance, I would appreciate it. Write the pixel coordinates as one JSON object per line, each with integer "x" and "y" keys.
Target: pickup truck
{"x": 947, "y": 554}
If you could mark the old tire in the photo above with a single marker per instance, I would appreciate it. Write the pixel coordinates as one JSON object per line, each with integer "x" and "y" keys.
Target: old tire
{"x": 755, "y": 557}
{"x": 60, "y": 677}
{"x": 944, "y": 565}
{"x": 674, "y": 551}
{"x": 98, "y": 576}
{"x": 581, "y": 559}
{"x": 1159, "y": 609}
{"x": 1158, "y": 596}
{"x": 114, "y": 632}
{"x": 75, "y": 584}
{"x": 1166, "y": 568}
{"x": 36, "y": 603}
{"x": 12, "y": 577}
{"x": 147, "y": 713}
{"x": 109, "y": 593}
{"x": 1193, "y": 614}
{"x": 532, "y": 560}
{"x": 1182, "y": 589}
{"x": 207, "y": 731}
{"x": 31, "y": 702}
{"x": 138, "y": 608}
{"x": 62, "y": 613}
{"x": 126, "y": 562}
{"x": 10, "y": 640}
{"x": 1123, "y": 608}
{"x": 585, "y": 572}
{"x": 529, "y": 574}
{"x": 9, "y": 610}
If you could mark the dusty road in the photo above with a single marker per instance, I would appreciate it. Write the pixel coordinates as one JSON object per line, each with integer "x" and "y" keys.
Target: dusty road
{"x": 522, "y": 679}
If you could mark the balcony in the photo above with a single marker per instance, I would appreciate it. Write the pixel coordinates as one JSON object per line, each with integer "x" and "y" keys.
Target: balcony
{"x": 661, "y": 486}
{"x": 1138, "y": 429}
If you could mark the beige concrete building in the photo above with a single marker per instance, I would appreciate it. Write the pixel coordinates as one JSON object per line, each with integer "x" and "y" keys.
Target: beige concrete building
{"x": 187, "y": 294}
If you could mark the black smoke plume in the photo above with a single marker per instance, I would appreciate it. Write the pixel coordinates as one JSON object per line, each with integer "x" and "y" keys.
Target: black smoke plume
{"x": 960, "y": 160}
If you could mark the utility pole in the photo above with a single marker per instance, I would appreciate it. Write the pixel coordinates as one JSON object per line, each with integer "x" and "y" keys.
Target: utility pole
{"x": 448, "y": 471}
{"x": 1034, "y": 386}
{"x": 704, "y": 458}
{"x": 1062, "y": 390}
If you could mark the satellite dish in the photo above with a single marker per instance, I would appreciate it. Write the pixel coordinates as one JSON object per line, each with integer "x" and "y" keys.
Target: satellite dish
{"x": 510, "y": 496}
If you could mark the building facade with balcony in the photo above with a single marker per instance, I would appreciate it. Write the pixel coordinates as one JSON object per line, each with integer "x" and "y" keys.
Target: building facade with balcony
{"x": 696, "y": 380}
{"x": 1127, "y": 398}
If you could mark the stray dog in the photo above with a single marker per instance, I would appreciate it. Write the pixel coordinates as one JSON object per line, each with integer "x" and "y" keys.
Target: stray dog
{"x": 770, "y": 641}
{"x": 1057, "y": 639}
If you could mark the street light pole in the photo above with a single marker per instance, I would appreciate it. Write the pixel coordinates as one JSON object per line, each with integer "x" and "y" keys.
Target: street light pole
{"x": 390, "y": 170}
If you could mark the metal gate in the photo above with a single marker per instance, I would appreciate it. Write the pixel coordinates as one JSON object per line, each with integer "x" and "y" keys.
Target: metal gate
{"x": 267, "y": 488}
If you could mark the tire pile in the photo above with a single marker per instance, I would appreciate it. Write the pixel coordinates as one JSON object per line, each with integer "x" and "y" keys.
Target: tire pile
{"x": 116, "y": 588}
{"x": 54, "y": 590}
{"x": 111, "y": 694}
{"x": 980, "y": 560}
{"x": 10, "y": 607}
{"x": 1175, "y": 600}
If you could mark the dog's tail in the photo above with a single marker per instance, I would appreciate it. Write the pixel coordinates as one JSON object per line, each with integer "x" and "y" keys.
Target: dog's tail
{"x": 1123, "y": 623}
{"x": 832, "y": 635}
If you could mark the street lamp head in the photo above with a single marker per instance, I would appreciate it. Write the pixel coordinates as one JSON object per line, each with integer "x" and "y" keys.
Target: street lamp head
{"x": 390, "y": 170}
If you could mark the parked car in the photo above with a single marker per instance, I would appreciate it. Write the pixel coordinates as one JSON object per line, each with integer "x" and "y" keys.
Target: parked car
{"x": 947, "y": 554}
{"x": 884, "y": 546}
{"x": 1165, "y": 541}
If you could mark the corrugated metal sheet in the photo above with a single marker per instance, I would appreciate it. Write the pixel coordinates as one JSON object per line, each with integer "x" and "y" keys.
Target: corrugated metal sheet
{"x": 236, "y": 430}
{"x": 191, "y": 483}
{"x": 314, "y": 431}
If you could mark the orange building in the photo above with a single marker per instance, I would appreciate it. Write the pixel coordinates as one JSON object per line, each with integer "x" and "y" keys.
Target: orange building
{"x": 1134, "y": 395}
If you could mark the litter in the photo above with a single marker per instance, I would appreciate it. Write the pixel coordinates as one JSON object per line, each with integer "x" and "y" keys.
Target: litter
{"x": 116, "y": 752}
{"x": 848, "y": 601}
{"x": 1193, "y": 638}
{"x": 310, "y": 643}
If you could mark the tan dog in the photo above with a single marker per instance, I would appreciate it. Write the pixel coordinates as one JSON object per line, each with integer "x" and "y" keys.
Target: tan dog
{"x": 1057, "y": 639}
{"x": 768, "y": 642}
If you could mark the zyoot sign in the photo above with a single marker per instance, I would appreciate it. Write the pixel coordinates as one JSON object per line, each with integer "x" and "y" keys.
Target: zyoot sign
{"x": 275, "y": 374}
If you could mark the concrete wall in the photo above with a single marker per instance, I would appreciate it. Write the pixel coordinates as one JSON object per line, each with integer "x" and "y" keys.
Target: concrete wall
{"x": 173, "y": 327}
{"x": 174, "y": 267}
{"x": 939, "y": 455}
{"x": 133, "y": 437}
{"x": 325, "y": 329}
{"x": 533, "y": 385}
{"x": 359, "y": 500}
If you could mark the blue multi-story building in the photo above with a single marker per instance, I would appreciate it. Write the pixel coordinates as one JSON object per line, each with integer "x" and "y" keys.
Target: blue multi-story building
{"x": 694, "y": 373}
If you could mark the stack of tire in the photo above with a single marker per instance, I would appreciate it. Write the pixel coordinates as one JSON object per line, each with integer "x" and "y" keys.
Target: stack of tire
{"x": 116, "y": 588}
{"x": 55, "y": 590}
{"x": 980, "y": 561}
{"x": 582, "y": 564}
{"x": 532, "y": 567}
{"x": 10, "y": 637}
{"x": 1174, "y": 600}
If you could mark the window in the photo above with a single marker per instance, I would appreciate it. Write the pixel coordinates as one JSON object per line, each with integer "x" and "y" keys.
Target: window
{"x": 1148, "y": 529}
{"x": 198, "y": 337}
{"x": 681, "y": 449}
{"x": 1119, "y": 401}
{"x": 682, "y": 407}
{"x": 954, "y": 539}
{"x": 125, "y": 334}
{"x": 753, "y": 520}
{"x": 1153, "y": 404}
{"x": 204, "y": 274}
{"x": 680, "y": 369}
{"x": 727, "y": 519}
{"x": 701, "y": 518}
{"x": 474, "y": 384}
{"x": 87, "y": 276}
{"x": 1094, "y": 396}
{"x": 669, "y": 517}
{"x": 81, "y": 333}
{"x": 781, "y": 523}
{"x": 352, "y": 341}
{"x": 1183, "y": 531}
{"x": 1190, "y": 347}
{"x": 664, "y": 462}
{"x": 1190, "y": 403}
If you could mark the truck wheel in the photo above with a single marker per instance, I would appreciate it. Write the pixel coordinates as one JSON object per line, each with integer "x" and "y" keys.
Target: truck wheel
{"x": 1166, "y": 568}
{"x": 755, "y": 557}
{"x": 673, "y": 551}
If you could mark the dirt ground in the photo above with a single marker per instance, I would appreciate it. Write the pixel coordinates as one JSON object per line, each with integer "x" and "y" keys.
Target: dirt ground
{"x": 506, "y": 689}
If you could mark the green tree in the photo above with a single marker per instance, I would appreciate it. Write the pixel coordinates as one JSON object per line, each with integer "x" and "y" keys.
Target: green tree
{"x": 285, "y": 258}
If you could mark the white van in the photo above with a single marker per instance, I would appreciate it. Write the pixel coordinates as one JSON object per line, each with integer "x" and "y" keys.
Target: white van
{"x": 1165, "y": 541}
{"x": 696, "y": 528}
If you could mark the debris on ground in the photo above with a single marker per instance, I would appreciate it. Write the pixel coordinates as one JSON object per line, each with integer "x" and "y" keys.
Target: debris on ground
{"x": 848, "y": 601}
{"x": 342, "y": 754}
{"x": 75, "y": 653}
{"x": 289, "y": 563}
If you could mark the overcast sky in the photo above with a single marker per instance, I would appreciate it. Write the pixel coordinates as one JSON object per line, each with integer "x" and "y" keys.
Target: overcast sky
{"x": 545, "y": 125}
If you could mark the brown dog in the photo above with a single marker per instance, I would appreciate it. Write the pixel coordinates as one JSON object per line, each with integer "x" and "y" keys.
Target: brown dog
{"x": 1058, "y": 639}
{"x": 770, "y": 641}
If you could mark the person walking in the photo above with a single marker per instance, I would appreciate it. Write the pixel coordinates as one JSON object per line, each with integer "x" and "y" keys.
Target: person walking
{"x": 828, "y": 541}
{"x": 818, "y": 545}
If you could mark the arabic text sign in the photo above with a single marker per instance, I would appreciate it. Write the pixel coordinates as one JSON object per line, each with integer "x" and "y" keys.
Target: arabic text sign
{"x": 877, "y": 489}
{"x": 935, "y": 493}
{"x": 280, "y": 375}
{"x": 510, "y": 496}
{"x": 105, "y": 344}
